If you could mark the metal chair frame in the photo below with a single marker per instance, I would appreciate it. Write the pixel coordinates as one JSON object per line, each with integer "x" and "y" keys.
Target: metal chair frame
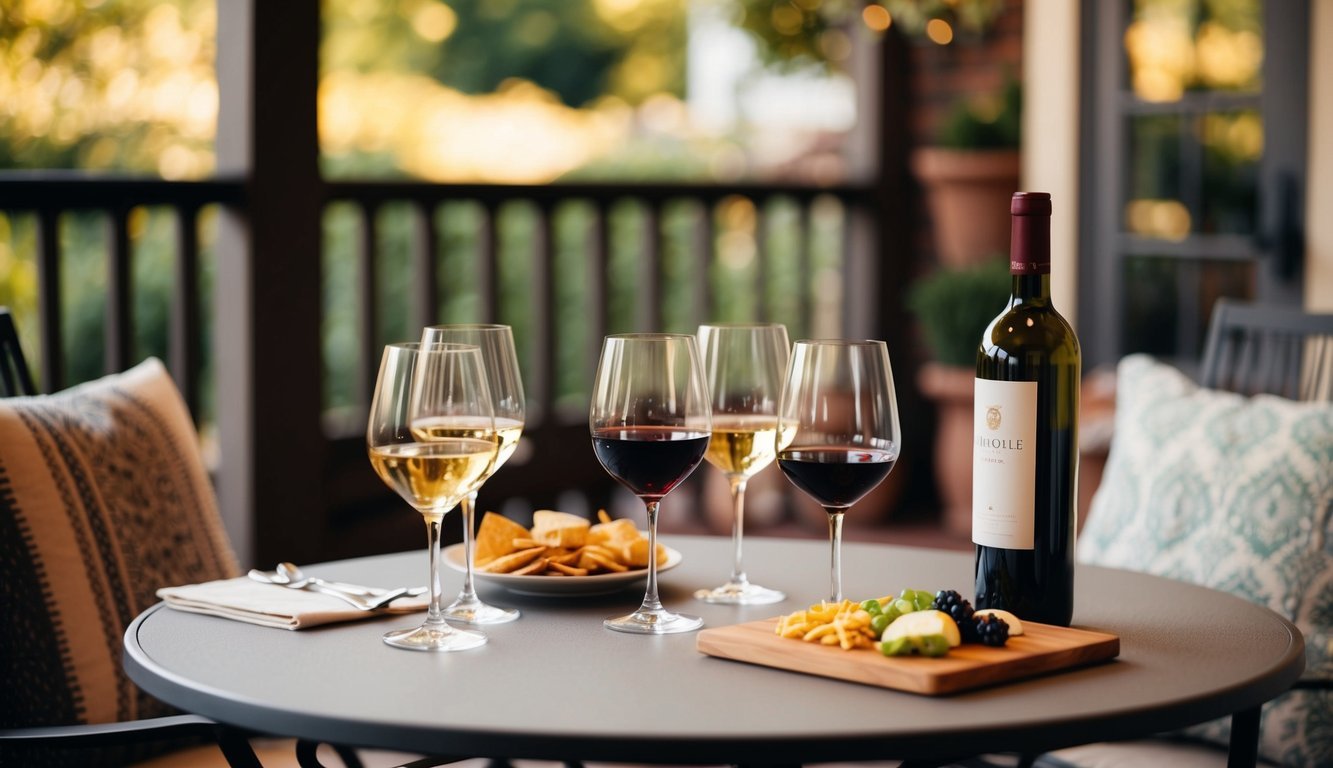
{"x": 1253, "y": 349}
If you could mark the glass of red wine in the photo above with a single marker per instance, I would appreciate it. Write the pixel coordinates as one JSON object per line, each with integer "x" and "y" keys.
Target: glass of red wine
{"x": 650, "y": 422}
{"x": 838, "y": 432}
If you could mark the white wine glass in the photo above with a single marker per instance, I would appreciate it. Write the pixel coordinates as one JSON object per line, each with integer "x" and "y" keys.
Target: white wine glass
{"x": 650, "y": 423}
{"x": 744, "y": 365}
{"x": 496, "y": 343}
{"x": 838, "y": 429}
{"x": 418, "y": 383}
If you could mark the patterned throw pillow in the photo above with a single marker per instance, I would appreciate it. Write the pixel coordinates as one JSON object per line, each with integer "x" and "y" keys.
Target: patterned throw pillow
{"x": 103, "y": 499}
{"x": 1236, "y": 494}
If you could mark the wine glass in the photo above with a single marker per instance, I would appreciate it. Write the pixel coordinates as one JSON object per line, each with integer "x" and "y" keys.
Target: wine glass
{"x": 838, "y": 429}
{"x": 744, "y": 365}
{"x": 650, "y": 424}
{"x": 418, "y": 383}
{"x": 506, "y": 389}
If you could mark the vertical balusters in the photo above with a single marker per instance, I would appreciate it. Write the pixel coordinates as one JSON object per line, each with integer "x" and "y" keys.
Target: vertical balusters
{"x": 804, "y": 271}
{"x": 650, "y": 317}
{"x": 117, "y": 316}
{"x": 425, "y": 298}
{"x": 48, "y": 299}
{"x": 367, "y": 305}
{"x": 184, "y": 333}
{"x": 761, "y": 224}
{"x": 488, "y": 274}
{"x": 599, "y": 282}
{"x": 543, "y": 310}
{"x": 705, "y": 234}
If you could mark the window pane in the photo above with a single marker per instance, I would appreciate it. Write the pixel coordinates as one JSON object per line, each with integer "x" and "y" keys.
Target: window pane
{"x": 1233, "y": 143}
{"x": 1168, "y": 303}
{"x": 1175, "y": 46}
{"x": 1154, "y": 208}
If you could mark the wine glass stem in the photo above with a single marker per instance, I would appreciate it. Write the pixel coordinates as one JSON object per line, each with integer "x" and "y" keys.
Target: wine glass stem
{"x": 434, "y": 614}
{"x": 651, "y": 603}
{"x": 468, "y": 509}
{"x": 835, "y": 561}
{"x": 737, "y": 529}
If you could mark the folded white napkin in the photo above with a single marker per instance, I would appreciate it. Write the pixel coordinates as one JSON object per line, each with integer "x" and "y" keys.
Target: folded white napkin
{"x": 268, "y": 605}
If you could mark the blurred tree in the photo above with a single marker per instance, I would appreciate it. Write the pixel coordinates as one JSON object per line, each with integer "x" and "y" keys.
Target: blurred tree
{"x": 580, "y": 50}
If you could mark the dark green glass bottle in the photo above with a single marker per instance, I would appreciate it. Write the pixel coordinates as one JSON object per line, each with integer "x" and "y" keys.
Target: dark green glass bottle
{"x": 1025, "y": 448}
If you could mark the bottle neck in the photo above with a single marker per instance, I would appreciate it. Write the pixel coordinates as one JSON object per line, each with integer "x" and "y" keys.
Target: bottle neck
{"x": 1028, "y": 289}
{"x": 1030, "y": 256}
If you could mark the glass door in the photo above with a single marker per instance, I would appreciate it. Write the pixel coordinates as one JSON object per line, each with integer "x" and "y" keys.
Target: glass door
{"x": 1193, "y": 175}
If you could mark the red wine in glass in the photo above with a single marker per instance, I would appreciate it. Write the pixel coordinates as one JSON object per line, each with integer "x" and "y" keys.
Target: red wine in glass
{"x": 650, "y": 461}
{"x": 838, "y": 429}
{"x": 650, "y": 424}
{"x": 836, "y": 476}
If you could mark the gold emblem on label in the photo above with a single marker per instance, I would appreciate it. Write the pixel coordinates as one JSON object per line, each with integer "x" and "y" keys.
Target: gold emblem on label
{"x": 993, "y": 416}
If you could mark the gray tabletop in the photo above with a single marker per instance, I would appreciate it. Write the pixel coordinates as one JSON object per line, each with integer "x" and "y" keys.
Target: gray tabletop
{"x": 556, "y": 685}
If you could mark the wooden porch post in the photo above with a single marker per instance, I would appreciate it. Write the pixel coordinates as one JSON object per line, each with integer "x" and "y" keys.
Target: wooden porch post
{"x": 267, "y": 324}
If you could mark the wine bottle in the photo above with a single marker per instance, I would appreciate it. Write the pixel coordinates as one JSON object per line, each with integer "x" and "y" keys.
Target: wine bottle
{"x": 1025, "y": 446}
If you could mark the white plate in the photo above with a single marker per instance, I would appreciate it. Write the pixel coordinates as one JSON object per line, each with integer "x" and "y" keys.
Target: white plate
{"x": 557, "y": 586}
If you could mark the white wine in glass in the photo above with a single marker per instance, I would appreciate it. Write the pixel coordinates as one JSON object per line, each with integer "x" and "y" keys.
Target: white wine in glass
{"x": 744, "y": 365}
{"x": 650, "y": 424}
{"x": 838, "y": 429}
{"x": 496, "y": 343}
{"x": 416, "y": 383}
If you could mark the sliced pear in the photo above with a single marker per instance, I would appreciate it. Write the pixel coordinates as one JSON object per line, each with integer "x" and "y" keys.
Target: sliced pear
{"x": 1015, "y": 626}
{"x": 922, "y": 623}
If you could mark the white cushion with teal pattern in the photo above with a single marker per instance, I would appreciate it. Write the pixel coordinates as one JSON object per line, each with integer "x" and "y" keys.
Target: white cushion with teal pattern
{"x": 1236, "y": 494}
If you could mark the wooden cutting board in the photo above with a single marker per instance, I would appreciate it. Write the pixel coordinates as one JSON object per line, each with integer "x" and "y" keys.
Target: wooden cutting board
{"x": 1041, "y": 648}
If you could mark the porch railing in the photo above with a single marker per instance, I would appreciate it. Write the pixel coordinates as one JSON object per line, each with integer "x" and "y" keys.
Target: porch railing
{"x": 353, "y": 499}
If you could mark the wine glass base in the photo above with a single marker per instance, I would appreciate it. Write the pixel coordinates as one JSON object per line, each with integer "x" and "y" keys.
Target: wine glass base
{"x": 733, "y": 593}
{"x": 654, "y": 623}
{"x": 434, "y": 638}
{"x": 476, "y": 612}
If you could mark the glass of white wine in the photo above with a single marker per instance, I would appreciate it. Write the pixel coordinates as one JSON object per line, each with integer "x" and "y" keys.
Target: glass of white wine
{"x": 506, "y": 389}
{"x": 417, "y": 383}
{"x": 744, "y": 365}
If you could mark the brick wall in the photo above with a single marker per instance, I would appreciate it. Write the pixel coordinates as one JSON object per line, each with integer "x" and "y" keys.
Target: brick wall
{"x": 941, "y": 74}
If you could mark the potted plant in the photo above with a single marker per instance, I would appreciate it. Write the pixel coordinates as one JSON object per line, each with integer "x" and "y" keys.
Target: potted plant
{"x": 969, "y": 174}
{"x": 953, "y": 306}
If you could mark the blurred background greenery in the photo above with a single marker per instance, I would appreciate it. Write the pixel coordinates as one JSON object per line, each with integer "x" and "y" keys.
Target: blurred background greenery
{"x": 519, "y": 91}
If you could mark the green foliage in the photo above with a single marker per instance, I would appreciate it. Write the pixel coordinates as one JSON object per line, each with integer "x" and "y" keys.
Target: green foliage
{"x": 564, "y": 46}
{"x": 955, "y": 306}
{"x": 994, "y": 123}
{"x": 795, "y": 33}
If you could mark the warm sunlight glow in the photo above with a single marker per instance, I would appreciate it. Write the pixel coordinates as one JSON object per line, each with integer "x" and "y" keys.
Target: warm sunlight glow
{"x": 1227, "y": 59}
{"x": 939, "y": 31}
{"x": 876, "y": 17}
{"x": 1162, "y": 219}
{"x": 434, "y": 21}
{"x": 522, "y": 134}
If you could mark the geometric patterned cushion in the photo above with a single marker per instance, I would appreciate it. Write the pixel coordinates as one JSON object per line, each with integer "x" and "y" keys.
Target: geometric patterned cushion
{"x": 104, "y": 498}
{"x": 1236, "y": 494}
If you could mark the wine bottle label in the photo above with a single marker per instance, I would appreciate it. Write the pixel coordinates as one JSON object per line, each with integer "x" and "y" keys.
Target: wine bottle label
{"x": 1004, "y": 463}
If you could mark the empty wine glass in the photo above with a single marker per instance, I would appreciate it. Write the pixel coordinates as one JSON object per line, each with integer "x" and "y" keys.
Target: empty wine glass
{"x": 416, "y": 384}
{"x": 650, "y": 424}
{"x": 506, "y": 388}
{"x": 838, "y": 429}
{"x": 744, "y": 365}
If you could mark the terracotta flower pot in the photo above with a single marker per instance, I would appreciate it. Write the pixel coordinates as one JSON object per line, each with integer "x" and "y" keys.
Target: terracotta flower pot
{"x": 951, "y": 390}
{"x": 967, "y": 194}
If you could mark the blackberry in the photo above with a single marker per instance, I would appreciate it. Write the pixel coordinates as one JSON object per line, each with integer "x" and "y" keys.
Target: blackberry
{"x": 952, "y": 603}
{"x": 990, "y": 630}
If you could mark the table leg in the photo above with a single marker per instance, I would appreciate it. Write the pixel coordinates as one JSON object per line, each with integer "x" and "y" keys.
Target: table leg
{"x": 306, "y": 754}
{"x": 1244, "y": 748}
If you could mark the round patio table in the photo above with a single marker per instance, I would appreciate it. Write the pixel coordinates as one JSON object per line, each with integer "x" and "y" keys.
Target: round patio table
{"x": 557, "y": 685}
